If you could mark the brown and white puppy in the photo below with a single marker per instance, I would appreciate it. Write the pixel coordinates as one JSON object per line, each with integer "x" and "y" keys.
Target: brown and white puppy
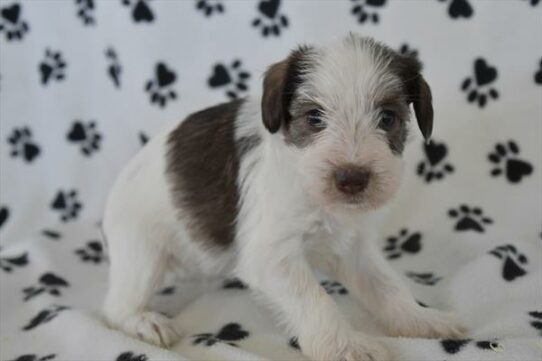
{"x": 266, "y": 187}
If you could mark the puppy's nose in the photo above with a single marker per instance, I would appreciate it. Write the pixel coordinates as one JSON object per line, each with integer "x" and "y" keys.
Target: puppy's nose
{"x": 351, "y": 180}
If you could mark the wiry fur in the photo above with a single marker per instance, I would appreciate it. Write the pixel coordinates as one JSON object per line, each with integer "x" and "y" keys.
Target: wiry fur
{"x": 290, "y": 216}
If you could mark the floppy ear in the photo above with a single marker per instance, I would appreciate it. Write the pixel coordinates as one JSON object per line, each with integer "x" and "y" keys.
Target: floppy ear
{"x": 272, "y": 99}
{"x": 418, "y": 92}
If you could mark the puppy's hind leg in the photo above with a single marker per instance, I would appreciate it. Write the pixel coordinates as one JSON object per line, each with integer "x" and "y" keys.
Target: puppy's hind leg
{"x": 137, "y": 268}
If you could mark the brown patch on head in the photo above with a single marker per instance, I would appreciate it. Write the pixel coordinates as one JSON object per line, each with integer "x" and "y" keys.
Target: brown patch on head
{"x": 203, "y": 165}
{"x": 279, "y": 85}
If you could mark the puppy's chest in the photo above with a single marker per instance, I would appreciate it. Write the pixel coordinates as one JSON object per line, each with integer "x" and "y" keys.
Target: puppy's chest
{"x": 325, "y": 233}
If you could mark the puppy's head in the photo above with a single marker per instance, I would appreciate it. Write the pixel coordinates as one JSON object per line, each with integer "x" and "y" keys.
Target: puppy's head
{"x": 345, "y": 107}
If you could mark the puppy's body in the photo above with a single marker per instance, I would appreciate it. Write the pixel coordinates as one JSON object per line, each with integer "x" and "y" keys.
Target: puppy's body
{"x": 264, "y": 188}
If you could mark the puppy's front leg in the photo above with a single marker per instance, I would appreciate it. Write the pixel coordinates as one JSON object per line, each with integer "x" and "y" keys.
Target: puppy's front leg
{"x": 279, "y": 271}
{"x": 371, "y": 279}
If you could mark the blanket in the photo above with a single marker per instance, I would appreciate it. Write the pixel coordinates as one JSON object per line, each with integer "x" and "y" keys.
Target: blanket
{"x": 85, "y": 83}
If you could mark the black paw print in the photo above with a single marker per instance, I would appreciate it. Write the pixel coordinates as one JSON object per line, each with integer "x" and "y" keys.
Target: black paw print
{"x": 86, "y": 136}
{"x": 52, "y": 67}
{"x": 469, "y": 219}
{"x": 49, "y": 283}
{"x": 270, "y": 20}
{"x": 434, "y": 167}
{"x": 334, "y": 287}
{"x": 166, "y": 291}
{"x": 11, "y": 22}
{"x": 4, "y": 215}
{"x": 536, "y": 321}
{"x": 459, "y": 9}
{"x": 92, "y": 252}
{"x": 427, "y": 278}
{"x": 67, "y": 205}
{"x": 227, "y": 334}
{"x": 141, "y": 11}
{"x": 404, "y": 243}
{"x": 512, "y": 261}
{"x": 131, "y": 356}
{"x": 234, "y": 283}
{"x": 22, "y": 144}
{"x": 479, "y": 88}
{"x": 44, "y": 316}
{"x": 233, "y": 79}
{"x": 209, "y": 7}
{"x": 533, "y": 2}
{"x": 406, "y": 50}
{"x": 367, "y": 10}
{"x": 538, "y": 74}
{"x": 493, "y": 345}
{"x": 114, "y": 69}
{"x": 294, "y": 343}
{"x": 31, "y": 357}
{"x": 85, "y": 11}
{"x": 9, "y": 263}
{"x": 506, "y": 162}
{"x": 51, "y": 234}
{"x": 143, "y": 138}
{"x": 160, "y": 88}
{"x": 454, "y": 346}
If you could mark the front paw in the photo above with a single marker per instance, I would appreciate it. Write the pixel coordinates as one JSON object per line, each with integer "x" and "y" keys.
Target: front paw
{"x": 355, "y": 347}
{"x": 153, "y": 328}
{"x": 427, "y": 323}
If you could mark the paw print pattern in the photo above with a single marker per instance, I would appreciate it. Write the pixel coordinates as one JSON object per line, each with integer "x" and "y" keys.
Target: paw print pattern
{"x": 85, "y": 11}
{"x": 141, "y": 11}
{"x": 22, "y": 144}
{"x": 166, "y": 291}
{"x": 536, "y": 321}
{"x": 32, "y": 357}
{"x": 114, "y": 69}
{"x": 538, "y": 74}
{"x": 51, "y": 234}
{"x": 269, "y": 20}
{"x": 143, "y": 138}
{"x": 67, "y": 205}
{"x": 459, "y": 9}
{"x": 92, "y": 252}
{"x": 160, "y": 88}
{"x": 533, "y": 2}
{"x": 513, "y": 261}
{"x": 86, "y": 136}
{"x": 469, "y": 219}
{"x": 227, "y": 334}
{"x": 232, "y": 78}
{"x": 427, "y": 278}
{"x": 210, "y": 7}
{"x": 453, "y": 346}
{"x": 44, "y": 316}
{"x": 11, "y": 22}
{"x": 435, "y": 166}
{"x": 53, "y": 67}
{"x": 48, "y": 283}
{"x": 8, "y": 264}
{"x": 4, "y": 215}
{"x": 406, "y": 50}
{"x": 506, "y": 162}
{"x": 294, "y": 343}
{"x": 131, "y": 356}
{"x": 367, "y": 10}
{"x": 404, "y": 243}
{"x": 234, "y": 283}
{"x": 333, "y": 287}
{"x": 479, "y": 88}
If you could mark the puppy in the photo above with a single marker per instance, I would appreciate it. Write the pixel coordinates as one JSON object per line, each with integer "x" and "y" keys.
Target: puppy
{"x": 266, "y": 188}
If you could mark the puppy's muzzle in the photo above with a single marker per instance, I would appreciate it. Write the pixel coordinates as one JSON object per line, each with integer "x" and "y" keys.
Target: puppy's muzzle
{"x": 352, "y": 181}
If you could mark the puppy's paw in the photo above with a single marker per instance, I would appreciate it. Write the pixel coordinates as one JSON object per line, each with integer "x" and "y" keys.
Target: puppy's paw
{"x": 427, "y": 323}
{"x": 364, "y": 348}
{"x": 153, "y": 328}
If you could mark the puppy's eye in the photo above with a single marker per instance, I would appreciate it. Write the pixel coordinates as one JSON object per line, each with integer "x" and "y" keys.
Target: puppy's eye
{"x": 387, "y": 120}
{"x": 314, "y": 118}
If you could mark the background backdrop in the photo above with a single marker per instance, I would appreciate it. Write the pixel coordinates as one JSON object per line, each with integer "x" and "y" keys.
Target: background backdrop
{"x": 84, "y": 83}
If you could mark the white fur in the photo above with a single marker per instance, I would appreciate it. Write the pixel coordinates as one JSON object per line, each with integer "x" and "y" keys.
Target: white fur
{"x": 289, "y": 220}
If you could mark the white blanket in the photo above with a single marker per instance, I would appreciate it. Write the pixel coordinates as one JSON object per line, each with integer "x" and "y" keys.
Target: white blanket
{"x": 83, "y": 83}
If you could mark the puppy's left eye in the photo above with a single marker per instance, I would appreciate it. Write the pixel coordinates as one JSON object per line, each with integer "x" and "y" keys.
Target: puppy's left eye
{"x": 314, "y": 118}
{"x": 387, "y": 120}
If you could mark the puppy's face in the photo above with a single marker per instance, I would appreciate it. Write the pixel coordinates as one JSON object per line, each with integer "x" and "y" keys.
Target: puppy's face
{"x": 345, "y": 108}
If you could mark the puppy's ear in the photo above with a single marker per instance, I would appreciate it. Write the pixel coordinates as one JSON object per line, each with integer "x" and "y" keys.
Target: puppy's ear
{"x": 418, "y": 92}
{"x": 272, "y": 99}
{"x": 279, "y": 85}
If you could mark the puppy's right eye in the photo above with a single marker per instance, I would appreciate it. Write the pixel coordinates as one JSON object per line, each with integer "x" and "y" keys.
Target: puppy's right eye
{"x": 314, "y": 118}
